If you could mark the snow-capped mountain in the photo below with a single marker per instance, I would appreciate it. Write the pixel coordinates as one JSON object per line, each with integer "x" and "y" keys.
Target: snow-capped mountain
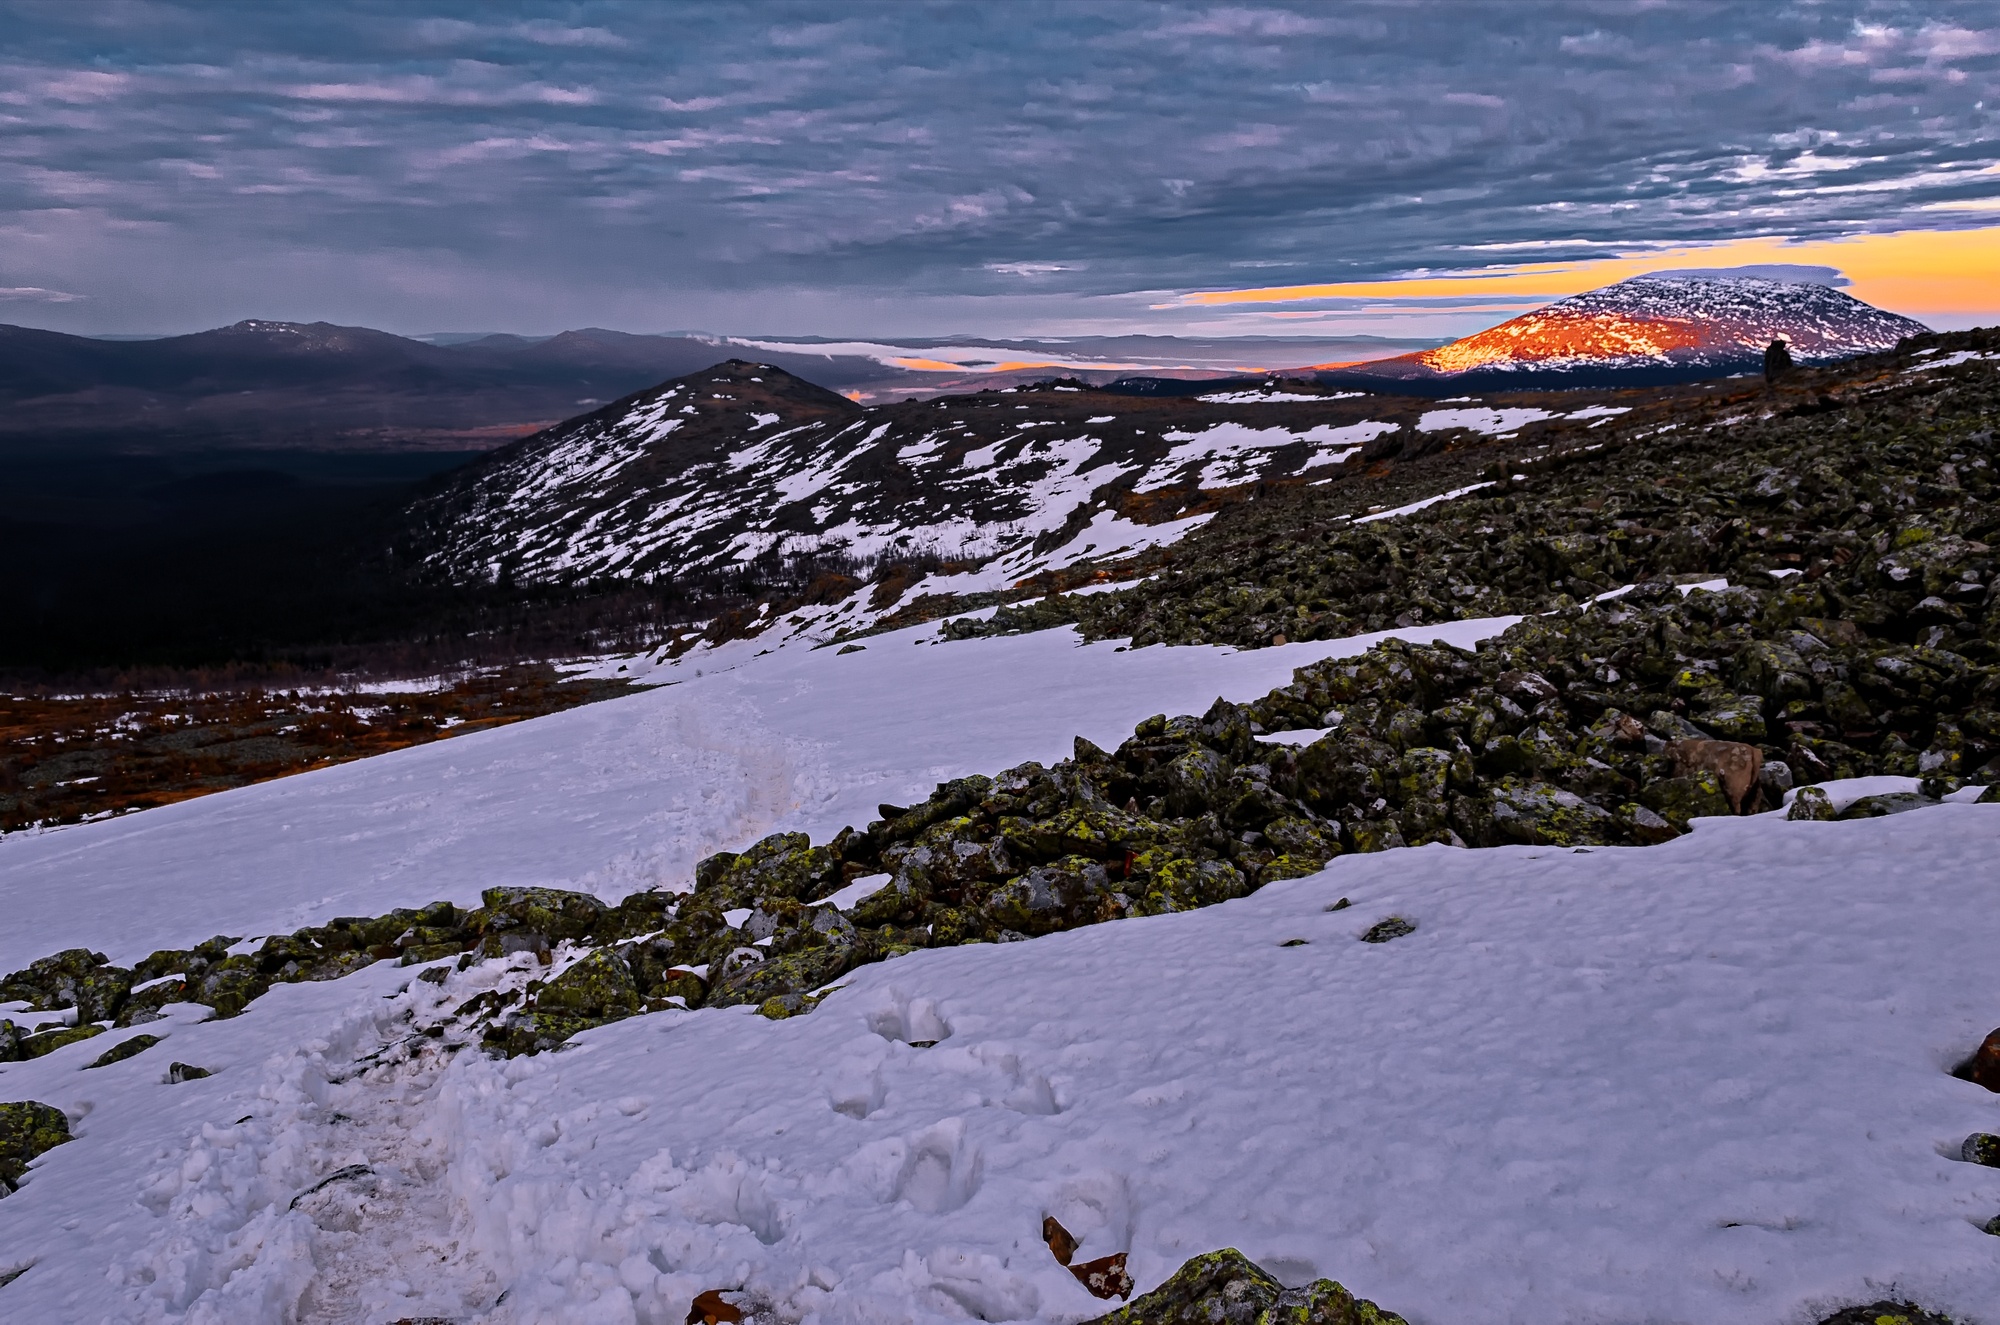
{"x": 744, "y": 461}
{"x": 1653, "y": 328}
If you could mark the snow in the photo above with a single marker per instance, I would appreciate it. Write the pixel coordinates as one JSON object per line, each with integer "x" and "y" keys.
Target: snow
{"x": 1229, "y": 452}
{"x": 1422, "y": 504}
{"x": 859, "y": 891}
{"x": 1704, "y": 1081}
{"x": 1489, "y": 421}
{"x": 1271, "y": 397}
{"x": 616, "y": 796}
{"x": 1955, "y": 359}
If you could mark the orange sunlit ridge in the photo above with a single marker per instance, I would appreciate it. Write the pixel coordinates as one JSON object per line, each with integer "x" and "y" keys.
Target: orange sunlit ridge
{"x": 1916, "y": 272}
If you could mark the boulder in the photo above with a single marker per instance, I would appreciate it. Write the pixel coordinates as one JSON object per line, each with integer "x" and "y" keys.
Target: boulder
{"x": 1811, "y": 804}
{"x": 1981, "y": 1148}
{"x": 27, "y": 1129}
{"x": 1226, "y": 1288}
{"x": 47, "y": 1042}
{"x": 1892, "y": 802}
{"x": 599, "y": 987}
{"x": 123, "y": 1050}
{"x": 553, "y": 913}
{"x": 76, "y": 977}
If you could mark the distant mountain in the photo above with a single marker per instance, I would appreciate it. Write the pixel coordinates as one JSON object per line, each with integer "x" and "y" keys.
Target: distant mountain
{"x": 1649, "y": 329}
{"x": 317, "y": 386}
{"x": 744, "y": 470}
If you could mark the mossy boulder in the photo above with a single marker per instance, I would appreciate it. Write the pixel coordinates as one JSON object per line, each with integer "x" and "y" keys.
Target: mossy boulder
{"x": 27, "y": 1129}
{"x": 1811, "y": 805}
{"x": 598, "y": 987}
{"x": 47, "y": 1042}
{"x": 75, "y": 977}
{"x": 124, "y": 1049}
{"x": 552, "y": 913}
{"x": 1227, "y": 1288}
{"x": 1886, "y": 803}
{"x": 1533, "y": 814}
{"x": 1691, "y": 796}
{"x": 791, "y": 976}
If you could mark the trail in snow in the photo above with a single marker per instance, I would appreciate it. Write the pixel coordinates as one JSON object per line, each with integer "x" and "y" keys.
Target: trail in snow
{"x": 1701, "y": 1081}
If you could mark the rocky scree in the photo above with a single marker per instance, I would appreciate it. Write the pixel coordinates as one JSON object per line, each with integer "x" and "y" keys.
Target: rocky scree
{"x": 1881, "y": 459}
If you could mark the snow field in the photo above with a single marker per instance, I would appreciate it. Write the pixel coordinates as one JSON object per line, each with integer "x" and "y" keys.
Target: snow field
{"x": 1705, "y": 1081}
{"x": 619, "y": 796}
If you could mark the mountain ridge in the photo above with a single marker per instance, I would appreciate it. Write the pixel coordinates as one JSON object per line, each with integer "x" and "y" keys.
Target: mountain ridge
{"x": 1649, "y": 329}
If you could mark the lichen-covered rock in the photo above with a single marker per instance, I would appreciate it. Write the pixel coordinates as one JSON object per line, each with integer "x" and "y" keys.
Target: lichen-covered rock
{"x": 599, "y": 987}
{"x": 552, "y": 913}
{"x": 75, "y": 977}
{"x": 1888, "y": 1313}
{"x": 47, "y": 1042}
{"x": 1981, "y": 1148}
{"x": 1811, "y": 805}
{"x": 27, "y": 1129}
{"x": 1226, "y": 1288}
{"x": 124, "y": 1049}
{"x": 1892, "y": 802}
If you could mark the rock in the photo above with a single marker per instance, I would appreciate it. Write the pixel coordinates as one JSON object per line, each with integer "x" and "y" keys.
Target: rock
{"x": 1892, "y": 802}
{"x": 1774, "y": 780}
{"x": 1983, "y": 1068}
{"x": 1394, "y": 927}
{"x": 1226, "y": 1288}
{"x": 1811, "y": 804}
{"x": 1889, "y": 1313}
{"x": 76, "y": 977}
{"x": 34, "y": 1046}
{"x": 123, "y": 1050}
{"x": 598, "y": 987}
{"x": 1734, "y": 764}
{"x": 553, "y": 913}
{"x": 1531, "y": 814}
{"x": 27, "y": 1129}
{"x": 1220, "y": 1288}
{"x": 1680, "y": 799}
{"x": 179, "y": 1072}
{"x": 1981, "y": 1148}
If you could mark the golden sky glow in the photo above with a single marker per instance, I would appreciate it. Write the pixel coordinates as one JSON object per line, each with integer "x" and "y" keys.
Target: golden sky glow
{"x": 1914, "y": 272}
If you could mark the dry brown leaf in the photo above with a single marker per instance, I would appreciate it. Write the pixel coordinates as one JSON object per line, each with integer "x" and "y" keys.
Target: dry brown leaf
{"x": 710, "y": 1309}
{"x": 1105, "y": 1276}
{"x": 1061, "y": 1241}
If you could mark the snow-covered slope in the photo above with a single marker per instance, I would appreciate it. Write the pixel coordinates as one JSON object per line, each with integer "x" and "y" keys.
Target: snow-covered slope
{"x": 711, "y": 473}
{"x": 1689, "y": 325}
{"x": 614, "y": 797}
{"x": 1700, "y": 1081}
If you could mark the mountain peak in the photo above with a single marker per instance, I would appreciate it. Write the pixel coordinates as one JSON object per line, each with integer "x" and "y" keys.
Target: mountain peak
{"x": 1661, "y": 326}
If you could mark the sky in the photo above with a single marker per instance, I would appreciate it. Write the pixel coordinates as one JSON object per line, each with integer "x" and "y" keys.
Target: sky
{"x": 911, "y": 168}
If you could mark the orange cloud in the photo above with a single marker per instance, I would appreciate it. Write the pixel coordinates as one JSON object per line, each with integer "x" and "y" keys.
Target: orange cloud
{"x": 1917, "y": 272}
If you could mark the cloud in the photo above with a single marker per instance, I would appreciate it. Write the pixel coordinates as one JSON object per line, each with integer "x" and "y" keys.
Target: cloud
{"x": 34, "y": 294}
{"x": 784, "y": 161}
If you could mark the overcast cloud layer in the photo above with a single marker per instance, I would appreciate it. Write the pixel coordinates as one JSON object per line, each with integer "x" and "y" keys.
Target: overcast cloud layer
{"x": 908, "y": 168}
